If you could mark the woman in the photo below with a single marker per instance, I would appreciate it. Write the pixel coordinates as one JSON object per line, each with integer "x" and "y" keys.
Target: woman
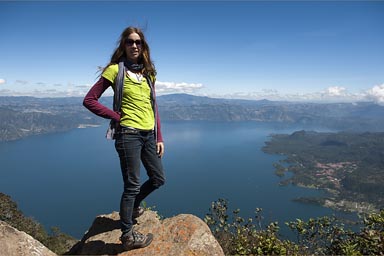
{"x": 138, "y": 134}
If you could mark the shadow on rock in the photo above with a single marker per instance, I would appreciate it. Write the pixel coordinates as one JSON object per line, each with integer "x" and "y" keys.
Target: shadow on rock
{"x": 184, "y": 234}
{"x": 99, "y": 226}
{"x": 96, "y": 248}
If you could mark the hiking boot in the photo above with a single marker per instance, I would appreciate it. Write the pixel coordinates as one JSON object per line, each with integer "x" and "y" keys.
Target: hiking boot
{"x": 137, "y": 212}
{"x": 134, "y": 240}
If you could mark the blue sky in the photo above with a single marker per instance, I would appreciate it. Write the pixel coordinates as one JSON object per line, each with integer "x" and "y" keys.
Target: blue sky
{"x": 277, "y": 50}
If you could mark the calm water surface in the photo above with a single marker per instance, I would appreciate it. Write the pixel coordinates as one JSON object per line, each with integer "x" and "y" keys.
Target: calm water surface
{"x": 66, "y": 179}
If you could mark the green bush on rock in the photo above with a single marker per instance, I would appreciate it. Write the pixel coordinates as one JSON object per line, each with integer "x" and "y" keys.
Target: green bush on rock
{"x": 57, "y": 242}
{"x": 320, "y": 236}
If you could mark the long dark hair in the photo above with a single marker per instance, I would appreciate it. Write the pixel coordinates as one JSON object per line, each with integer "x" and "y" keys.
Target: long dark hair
{"x": 145, "y": 57}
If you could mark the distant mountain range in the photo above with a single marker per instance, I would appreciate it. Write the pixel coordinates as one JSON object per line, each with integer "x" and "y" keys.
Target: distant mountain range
{"x": 362, "y": 116}
{"x": 24, "y": 116}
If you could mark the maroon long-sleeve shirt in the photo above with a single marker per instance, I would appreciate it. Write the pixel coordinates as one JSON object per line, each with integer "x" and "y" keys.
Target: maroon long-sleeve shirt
{"x": 91, "y": 102}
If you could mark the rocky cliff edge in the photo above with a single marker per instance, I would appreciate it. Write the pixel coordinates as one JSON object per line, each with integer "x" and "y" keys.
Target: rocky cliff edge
{"x": 17, "y": 243}
{"x": 184, "y": 234}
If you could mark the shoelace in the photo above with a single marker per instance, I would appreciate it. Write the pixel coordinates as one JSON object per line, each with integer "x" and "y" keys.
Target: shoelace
{"x": 138, "y": 236}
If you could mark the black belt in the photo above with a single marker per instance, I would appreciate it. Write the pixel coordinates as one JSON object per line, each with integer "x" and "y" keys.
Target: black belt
{"x": 131, "y": 130}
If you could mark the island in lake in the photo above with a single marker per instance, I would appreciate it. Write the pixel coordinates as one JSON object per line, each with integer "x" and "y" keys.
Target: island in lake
{"x": 348, "y": 166}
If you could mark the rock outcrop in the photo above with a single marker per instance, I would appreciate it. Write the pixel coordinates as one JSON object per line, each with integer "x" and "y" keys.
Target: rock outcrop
{"x": 17, "y": 243}
{"x": 184, "y": 234}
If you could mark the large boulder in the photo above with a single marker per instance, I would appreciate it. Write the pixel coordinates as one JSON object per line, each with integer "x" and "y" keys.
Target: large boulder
{"x": 17, "y": 243}
{"x": 184, "y": 234}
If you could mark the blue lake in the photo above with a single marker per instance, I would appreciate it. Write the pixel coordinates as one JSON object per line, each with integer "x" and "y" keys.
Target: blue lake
{"x": 67, "y": 179}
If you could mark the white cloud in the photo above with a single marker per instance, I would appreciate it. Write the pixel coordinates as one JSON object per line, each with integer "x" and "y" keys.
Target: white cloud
{"x": 335, "y": 91}
{"x": 70, "y": 89}
{"x": 172, "y": 87}
{"x": 376, "y": 94}
{"x": 70, "y": 92}
{"x": 330, "y": 94}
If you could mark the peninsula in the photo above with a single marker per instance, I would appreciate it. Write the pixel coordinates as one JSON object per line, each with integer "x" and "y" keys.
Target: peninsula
{"x": 348, "y": 166}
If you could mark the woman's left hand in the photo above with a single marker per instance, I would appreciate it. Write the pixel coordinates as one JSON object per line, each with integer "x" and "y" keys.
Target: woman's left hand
{"x": 160, "y": 149}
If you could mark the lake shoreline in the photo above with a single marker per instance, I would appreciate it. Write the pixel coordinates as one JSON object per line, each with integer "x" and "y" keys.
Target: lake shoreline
{"x": 73, "y": 182}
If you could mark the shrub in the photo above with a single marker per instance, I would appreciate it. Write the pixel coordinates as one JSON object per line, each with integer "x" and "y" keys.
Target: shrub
{"x": 57, "y": 242}
{"x": 317, "y": 236}
{"x": 246, "y": 237}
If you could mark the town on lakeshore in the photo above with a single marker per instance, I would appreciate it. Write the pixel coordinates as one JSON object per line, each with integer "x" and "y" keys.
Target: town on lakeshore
{"x": 348, "y": 166}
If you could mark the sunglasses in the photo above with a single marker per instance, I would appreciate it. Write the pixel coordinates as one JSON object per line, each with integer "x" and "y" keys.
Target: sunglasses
{"x": 130, "y": 42}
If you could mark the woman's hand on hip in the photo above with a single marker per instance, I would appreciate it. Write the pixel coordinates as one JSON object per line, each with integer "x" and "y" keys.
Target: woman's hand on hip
{"x": 160, "y": 149}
